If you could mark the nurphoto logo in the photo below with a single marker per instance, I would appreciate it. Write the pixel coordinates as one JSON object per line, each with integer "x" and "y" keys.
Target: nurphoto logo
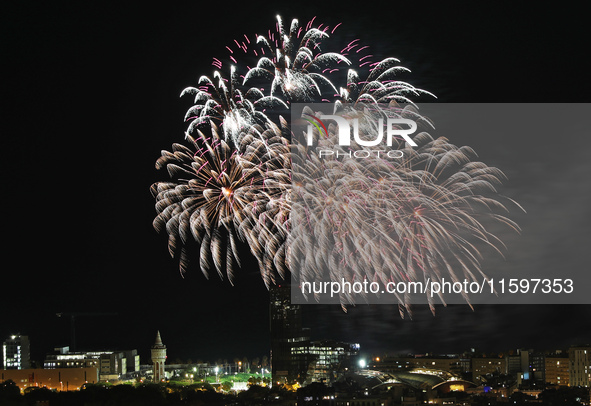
{"x": 355, "y": 132}
{"x": 394, "y": 127}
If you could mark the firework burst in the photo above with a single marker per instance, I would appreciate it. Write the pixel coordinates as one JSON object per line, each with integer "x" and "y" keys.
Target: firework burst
{"x": 216, "y": 195}
{"x": 241, "y": 177}
{"x": 224, "y": 102}
{"x": 418, "y": 217}
{"x": 290, "y": 68}
{"x": 295, "y": 63}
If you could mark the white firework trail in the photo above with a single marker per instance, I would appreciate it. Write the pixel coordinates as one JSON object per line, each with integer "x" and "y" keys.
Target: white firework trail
{"x": 408, "y": 220}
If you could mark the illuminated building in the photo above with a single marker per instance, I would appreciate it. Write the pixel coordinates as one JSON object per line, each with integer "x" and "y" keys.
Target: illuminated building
{"x": 556, "y": 370}
{"x": 293, "y": 357}
{"x": 158, "y": 358}
{"x": 16, "y": 352}
{"x": 326, "y": 360}
{"x": 448, "y": 363}
{"x": 63, "y": 358}
{"x": 580, "y": 366}
{"x": 537, "y": 366}
{"x": 436, "y": 363}
{"x": 286, "y": 334}
{"x": 111, "y": 364}
{"x": 526, "y": 366}
{"x": 519, "y": 363}
{"x": 485, "y": 366}
{"x": 390, "y": 364}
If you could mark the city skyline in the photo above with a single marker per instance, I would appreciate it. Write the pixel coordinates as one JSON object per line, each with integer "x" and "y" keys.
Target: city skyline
{"x": 93, "y": 98}
{"x": 305, "y": 363}
{"x": 377, "y": 332}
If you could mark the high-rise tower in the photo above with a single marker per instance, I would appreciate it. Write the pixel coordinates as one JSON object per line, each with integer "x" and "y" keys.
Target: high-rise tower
{"x": 580, "y": 366}
{"x": 16, "y": 353}
{"x": 287, "y": 334}
{"x": 158, "y": 358}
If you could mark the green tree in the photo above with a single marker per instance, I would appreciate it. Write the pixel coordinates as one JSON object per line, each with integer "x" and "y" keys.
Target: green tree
{"x": 227, "y": 385}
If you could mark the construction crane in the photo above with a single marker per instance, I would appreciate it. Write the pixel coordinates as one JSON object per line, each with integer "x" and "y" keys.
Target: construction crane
{"x": 73, "y": 316}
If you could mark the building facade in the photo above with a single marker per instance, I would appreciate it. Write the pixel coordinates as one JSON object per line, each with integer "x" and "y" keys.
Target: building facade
{"x": 485, "y": 366}
{"x": 16, "y": 352}
{"x": 326, "y": 360}
{"x": 580, "y": 366}
{"x": 110, "y": 364}
{"x": 556, "y": 370}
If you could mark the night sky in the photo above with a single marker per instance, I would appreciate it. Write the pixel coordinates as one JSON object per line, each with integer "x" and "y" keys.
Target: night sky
{"x": 90, "y": 95}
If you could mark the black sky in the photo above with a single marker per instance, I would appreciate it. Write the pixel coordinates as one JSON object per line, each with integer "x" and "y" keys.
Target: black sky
{"x": 90, "y": 97}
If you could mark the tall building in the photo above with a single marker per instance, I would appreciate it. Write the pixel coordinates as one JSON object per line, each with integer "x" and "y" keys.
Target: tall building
{"x": 16, "y": 352}
{"x": 556, "y": 370}
{"x": 521, "y": 366}
{"x": 537, "y": 363}
{"x": 158, "y": 358}
{"x": 285, "y": 318}
{"x": 580, "y": 366}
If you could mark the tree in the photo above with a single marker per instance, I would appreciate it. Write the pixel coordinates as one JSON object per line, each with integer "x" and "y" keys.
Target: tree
{"x": 565, "y": 396}
{"x": 256, "y": 362}
{"x": 38, "y": 395}
{"x": 255, "y": 395}
{"x": 10, "y": 393}
{"x": 254, "y": 380}
{"x": 227, "y": 385}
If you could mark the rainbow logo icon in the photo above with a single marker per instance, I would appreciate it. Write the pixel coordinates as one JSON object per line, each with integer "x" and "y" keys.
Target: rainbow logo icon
{"x": 316, "y": 122}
